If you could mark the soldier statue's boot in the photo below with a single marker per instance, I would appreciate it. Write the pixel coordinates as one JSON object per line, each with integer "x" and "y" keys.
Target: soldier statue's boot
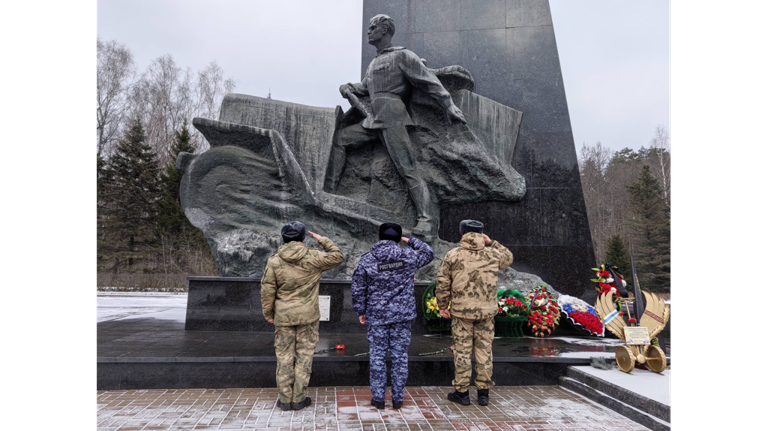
{"x": 423, "y": 231}
{"x": 378, "y": 404}
{"x": 482, "y": 397}
{"x": 284, "y": 406}
{"x": 459, "y": 397}
{"x": 307, "y": 401}
{"x": 397, "y": 404}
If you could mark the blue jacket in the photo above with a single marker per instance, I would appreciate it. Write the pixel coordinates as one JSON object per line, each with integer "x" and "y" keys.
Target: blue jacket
{"x": 382, "y": 286}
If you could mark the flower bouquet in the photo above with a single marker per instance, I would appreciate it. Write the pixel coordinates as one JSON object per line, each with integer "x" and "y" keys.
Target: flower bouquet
{"x": 435, "y": 322}
{"x": 513, "y": 313}
{"x": 581, "y": 315}
{"x": 544, "y": 312}
{"x": 606, "y": 282}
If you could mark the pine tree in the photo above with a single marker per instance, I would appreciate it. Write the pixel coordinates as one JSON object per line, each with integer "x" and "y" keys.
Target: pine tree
{"x": 650, "y": 232}
{"x": 184, "y": 246}
{"x": 171, "y": 218}
{"x": 616, "y": 254}
{"x": 129, "y": 193}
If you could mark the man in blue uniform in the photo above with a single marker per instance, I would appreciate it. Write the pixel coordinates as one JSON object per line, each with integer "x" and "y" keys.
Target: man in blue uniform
{"x": 390, "y": 78}
{"x": 383, "y": 297}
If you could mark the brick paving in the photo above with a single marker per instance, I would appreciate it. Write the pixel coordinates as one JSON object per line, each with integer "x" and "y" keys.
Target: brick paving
{"x": 348, "y": 408}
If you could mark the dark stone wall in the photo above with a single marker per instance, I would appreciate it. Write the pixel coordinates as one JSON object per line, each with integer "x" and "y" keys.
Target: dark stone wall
{"x": 509, "y": 47}
{"x": 234, "y": 304}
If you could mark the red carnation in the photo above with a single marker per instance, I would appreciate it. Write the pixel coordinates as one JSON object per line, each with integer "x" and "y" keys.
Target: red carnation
{"x": 632, "y": 320}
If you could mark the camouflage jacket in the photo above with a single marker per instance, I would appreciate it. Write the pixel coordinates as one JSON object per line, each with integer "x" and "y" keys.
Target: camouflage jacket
{"x": 382, "y": 285}
{"x": 469, "y": 275}
{"x": 291, "y": 279}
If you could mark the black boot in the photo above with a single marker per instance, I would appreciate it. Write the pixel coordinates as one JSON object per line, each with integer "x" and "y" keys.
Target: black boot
{"x": 283, "y": 406}
{"x": 482, "y": 397}
{"x": 378, "y": 404}
{"x": 397, "y": 404}
{"x": 301, "y": 404}
{"x": 459, "y": 397}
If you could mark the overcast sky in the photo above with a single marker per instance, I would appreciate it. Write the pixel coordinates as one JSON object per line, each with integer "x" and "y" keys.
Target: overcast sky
{"x": 614, "y": 53}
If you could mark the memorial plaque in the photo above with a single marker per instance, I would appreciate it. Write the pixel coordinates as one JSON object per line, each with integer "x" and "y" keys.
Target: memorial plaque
{"x": 636, "y": 335}
{"x": 325, "y": 307}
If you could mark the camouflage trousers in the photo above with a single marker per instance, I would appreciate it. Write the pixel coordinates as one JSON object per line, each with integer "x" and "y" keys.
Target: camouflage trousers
{"x": 396, "y": 338}
{"x": 294, "y": 348}
{"x": 469, "y": 336}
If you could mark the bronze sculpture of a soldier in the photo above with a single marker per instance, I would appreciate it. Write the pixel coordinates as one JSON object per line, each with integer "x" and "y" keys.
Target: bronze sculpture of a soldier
{"x": 391, "y": 77}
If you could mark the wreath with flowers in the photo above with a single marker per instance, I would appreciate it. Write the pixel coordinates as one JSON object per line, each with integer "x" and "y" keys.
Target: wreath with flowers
{"x": 606, "y": 282}
{"x": 581, "y": 315}
{"x": 512, "y": 303}
{"x": 544, "y": 312}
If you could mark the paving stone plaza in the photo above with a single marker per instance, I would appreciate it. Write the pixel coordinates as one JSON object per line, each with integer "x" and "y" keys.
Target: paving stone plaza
{"x": 348, "y": 408}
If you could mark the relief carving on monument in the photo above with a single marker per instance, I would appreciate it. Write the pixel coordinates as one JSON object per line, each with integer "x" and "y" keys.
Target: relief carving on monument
{"x": 415, "y": 140}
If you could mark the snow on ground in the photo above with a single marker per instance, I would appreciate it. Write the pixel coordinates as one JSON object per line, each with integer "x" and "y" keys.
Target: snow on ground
{"x": 590, "y": 341}
{"x": 117, "y": 306}
{"x": 655, "y": 386}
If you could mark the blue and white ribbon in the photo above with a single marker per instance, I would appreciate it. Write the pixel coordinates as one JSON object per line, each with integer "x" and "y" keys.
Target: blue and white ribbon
{"x": 611, "y": 316}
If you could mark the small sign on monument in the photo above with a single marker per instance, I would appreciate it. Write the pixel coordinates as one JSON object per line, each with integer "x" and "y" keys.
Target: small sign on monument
{"x": 325, "y": 307}
{"x": 637, "y": 335}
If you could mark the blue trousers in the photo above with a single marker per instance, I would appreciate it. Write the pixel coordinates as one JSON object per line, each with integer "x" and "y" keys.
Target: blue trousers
{"x": 396, "y": 338}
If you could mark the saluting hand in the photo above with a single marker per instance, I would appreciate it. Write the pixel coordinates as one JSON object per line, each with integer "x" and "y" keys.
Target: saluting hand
{"x": 487, "y": 239}
{"x": 314, "y": 235}
{"x": 404, "y": 239}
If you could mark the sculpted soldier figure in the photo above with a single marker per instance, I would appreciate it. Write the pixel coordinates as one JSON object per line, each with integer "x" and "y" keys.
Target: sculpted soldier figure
{"x": 383, "y": 297}
{"x": 390, "y": 77}
{"x": 289, "y": 300}
{"x": 467, "y": 281}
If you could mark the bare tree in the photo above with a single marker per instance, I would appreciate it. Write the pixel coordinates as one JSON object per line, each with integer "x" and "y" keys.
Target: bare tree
{"x": 593, "y": 162}
{"x": 660, "y": 160}
{"x": 211, "y": 89}
{"x": 165, "y": 96}
{"x": 115, "y": 70}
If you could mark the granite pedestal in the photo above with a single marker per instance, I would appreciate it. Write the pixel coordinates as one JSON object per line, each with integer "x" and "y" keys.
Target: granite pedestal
{"x": 234, "y": 304}
{"x": 147, "y": 353}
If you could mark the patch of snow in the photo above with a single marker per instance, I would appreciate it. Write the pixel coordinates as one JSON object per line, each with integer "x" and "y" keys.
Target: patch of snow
{"x": 587, "y": 355}
{"x": 590, "y": 341}
{"x": 655, "y": 386}
{"x": 117, "y": 306}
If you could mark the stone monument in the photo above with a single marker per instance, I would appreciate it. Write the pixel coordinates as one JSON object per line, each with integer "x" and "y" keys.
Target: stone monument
{"x": 509, "y": 47}
{"x": 419, "y": 147}
{"x": 417, "y": 141}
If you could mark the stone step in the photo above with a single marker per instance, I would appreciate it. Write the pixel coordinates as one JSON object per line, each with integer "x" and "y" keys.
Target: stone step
{"x": 643, "y": 410}
{"x": 645, "y": 404}
{"x": 620, "y": 407}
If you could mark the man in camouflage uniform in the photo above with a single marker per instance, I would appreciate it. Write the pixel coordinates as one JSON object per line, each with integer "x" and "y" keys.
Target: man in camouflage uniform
{"x": 383, "y": 297}
{"x": 289, "y": 300}
{"x": 467, "y": 281}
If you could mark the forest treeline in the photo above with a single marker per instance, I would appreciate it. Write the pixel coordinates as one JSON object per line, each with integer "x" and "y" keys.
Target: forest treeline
{"x": 627, "y": 194}
{"x": 143, "y": 121}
